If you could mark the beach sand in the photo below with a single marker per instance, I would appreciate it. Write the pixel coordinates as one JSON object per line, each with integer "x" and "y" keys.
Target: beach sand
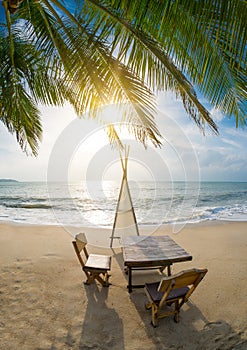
{"x": 45, "y": 305}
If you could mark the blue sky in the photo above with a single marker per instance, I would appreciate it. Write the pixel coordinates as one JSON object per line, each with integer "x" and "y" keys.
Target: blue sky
{"x": 76, "y": 150}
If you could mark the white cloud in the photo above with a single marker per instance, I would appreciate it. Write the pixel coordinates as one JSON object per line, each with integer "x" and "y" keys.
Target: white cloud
{"x": 238, "y": 133}
{"x": 222, "y": 157}
{"x": 231, "y": 142}
{"x": 217, "y": 115}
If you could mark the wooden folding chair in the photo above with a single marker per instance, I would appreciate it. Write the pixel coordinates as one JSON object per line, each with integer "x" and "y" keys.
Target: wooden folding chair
{"x": 172, "y": 289}
{"x": 95, "y": 266}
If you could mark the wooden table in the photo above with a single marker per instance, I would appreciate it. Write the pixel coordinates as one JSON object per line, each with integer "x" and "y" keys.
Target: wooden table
{"x": 145, "y": 252}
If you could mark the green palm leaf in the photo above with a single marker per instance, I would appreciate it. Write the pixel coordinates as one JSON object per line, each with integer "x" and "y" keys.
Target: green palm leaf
{"x": 183, "y": 34}
{"x": 90, "y": 71}
{"x": 121, "y": 52}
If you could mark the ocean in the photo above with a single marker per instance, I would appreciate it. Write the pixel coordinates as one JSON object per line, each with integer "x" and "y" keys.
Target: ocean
{"x": 93, "y": 204}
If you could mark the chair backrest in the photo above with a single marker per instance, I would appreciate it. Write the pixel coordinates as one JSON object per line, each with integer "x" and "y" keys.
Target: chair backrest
{"x": 81, "y": 240}
{"x": 188, "y": 278}
{"x": 79, "y": 244}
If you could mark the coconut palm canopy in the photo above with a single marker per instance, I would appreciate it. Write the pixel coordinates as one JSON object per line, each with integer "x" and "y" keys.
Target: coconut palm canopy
{"x": 92, "y": 53}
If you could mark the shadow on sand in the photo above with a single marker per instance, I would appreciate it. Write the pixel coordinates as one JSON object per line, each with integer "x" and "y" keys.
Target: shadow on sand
{"x": 193, "y": 331}
{"x": 95, "y": 331}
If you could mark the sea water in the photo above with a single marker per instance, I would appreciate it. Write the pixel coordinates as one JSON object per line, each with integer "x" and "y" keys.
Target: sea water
{"x": 94, "y": 203}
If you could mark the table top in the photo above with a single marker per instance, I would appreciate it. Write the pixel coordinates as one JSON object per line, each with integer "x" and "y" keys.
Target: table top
{"x": 152, "y": 251}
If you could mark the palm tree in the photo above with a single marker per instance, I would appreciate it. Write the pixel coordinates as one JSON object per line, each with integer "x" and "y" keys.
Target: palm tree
{"x": 101, "y": 52}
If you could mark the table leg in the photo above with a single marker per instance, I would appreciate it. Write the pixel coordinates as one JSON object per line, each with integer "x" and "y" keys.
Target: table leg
{"x": 130, "y": 279}
{"x": 169, "y": 270}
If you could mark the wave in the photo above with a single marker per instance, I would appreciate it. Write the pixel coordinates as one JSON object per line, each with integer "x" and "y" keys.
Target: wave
{"x": 227, "y": 197}
{"x": 29, "y": 206}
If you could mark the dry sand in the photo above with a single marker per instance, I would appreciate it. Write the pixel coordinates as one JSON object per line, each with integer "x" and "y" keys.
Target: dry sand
{"x": 44, "y": 304}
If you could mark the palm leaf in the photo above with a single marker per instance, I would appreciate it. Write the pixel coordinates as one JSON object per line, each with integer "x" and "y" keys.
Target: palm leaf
{"x": 183, "y": 42}
{"x": 89, "y": 70}
{"x": 122, "y": 52}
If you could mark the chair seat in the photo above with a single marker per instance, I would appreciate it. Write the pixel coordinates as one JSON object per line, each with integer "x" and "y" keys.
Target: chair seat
{"x": 156, "y": 296}
{"x": 96, "y": 266}
{"x": 99, "y": 262}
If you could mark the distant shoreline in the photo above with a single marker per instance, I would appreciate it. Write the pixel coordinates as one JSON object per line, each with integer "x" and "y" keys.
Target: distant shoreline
{"x": 117, "y": 181}
{"x": 8, "y": 180}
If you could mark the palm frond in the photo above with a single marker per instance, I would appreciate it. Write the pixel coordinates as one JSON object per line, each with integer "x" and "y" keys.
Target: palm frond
{"x": 113, "y": 137}
{"x": 111, "y": 51}
{"x": 21, "y": 117}
{"x": 187, "y": 43}
{"x": 89, "y": 70}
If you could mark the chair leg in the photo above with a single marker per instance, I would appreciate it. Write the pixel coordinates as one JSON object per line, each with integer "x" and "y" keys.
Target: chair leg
{"x": 92, "y": 276}
{"x": 90, "y": 279}
{"x": 100, "y": 280}
{"x": 176, "y": 317}
{"x": 105, "y": 281}
{"x": 107, "y": 276}
{"x": 154, "y": 321}
{"x": 148, "y": 306}
{"x": 177, "y": 307}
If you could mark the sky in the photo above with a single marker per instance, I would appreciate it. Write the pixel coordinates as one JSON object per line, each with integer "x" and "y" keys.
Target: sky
{"x": 75, "y": 149}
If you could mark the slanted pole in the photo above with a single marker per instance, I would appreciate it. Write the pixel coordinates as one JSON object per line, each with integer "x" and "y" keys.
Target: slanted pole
{"x": 125, "y": 214}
